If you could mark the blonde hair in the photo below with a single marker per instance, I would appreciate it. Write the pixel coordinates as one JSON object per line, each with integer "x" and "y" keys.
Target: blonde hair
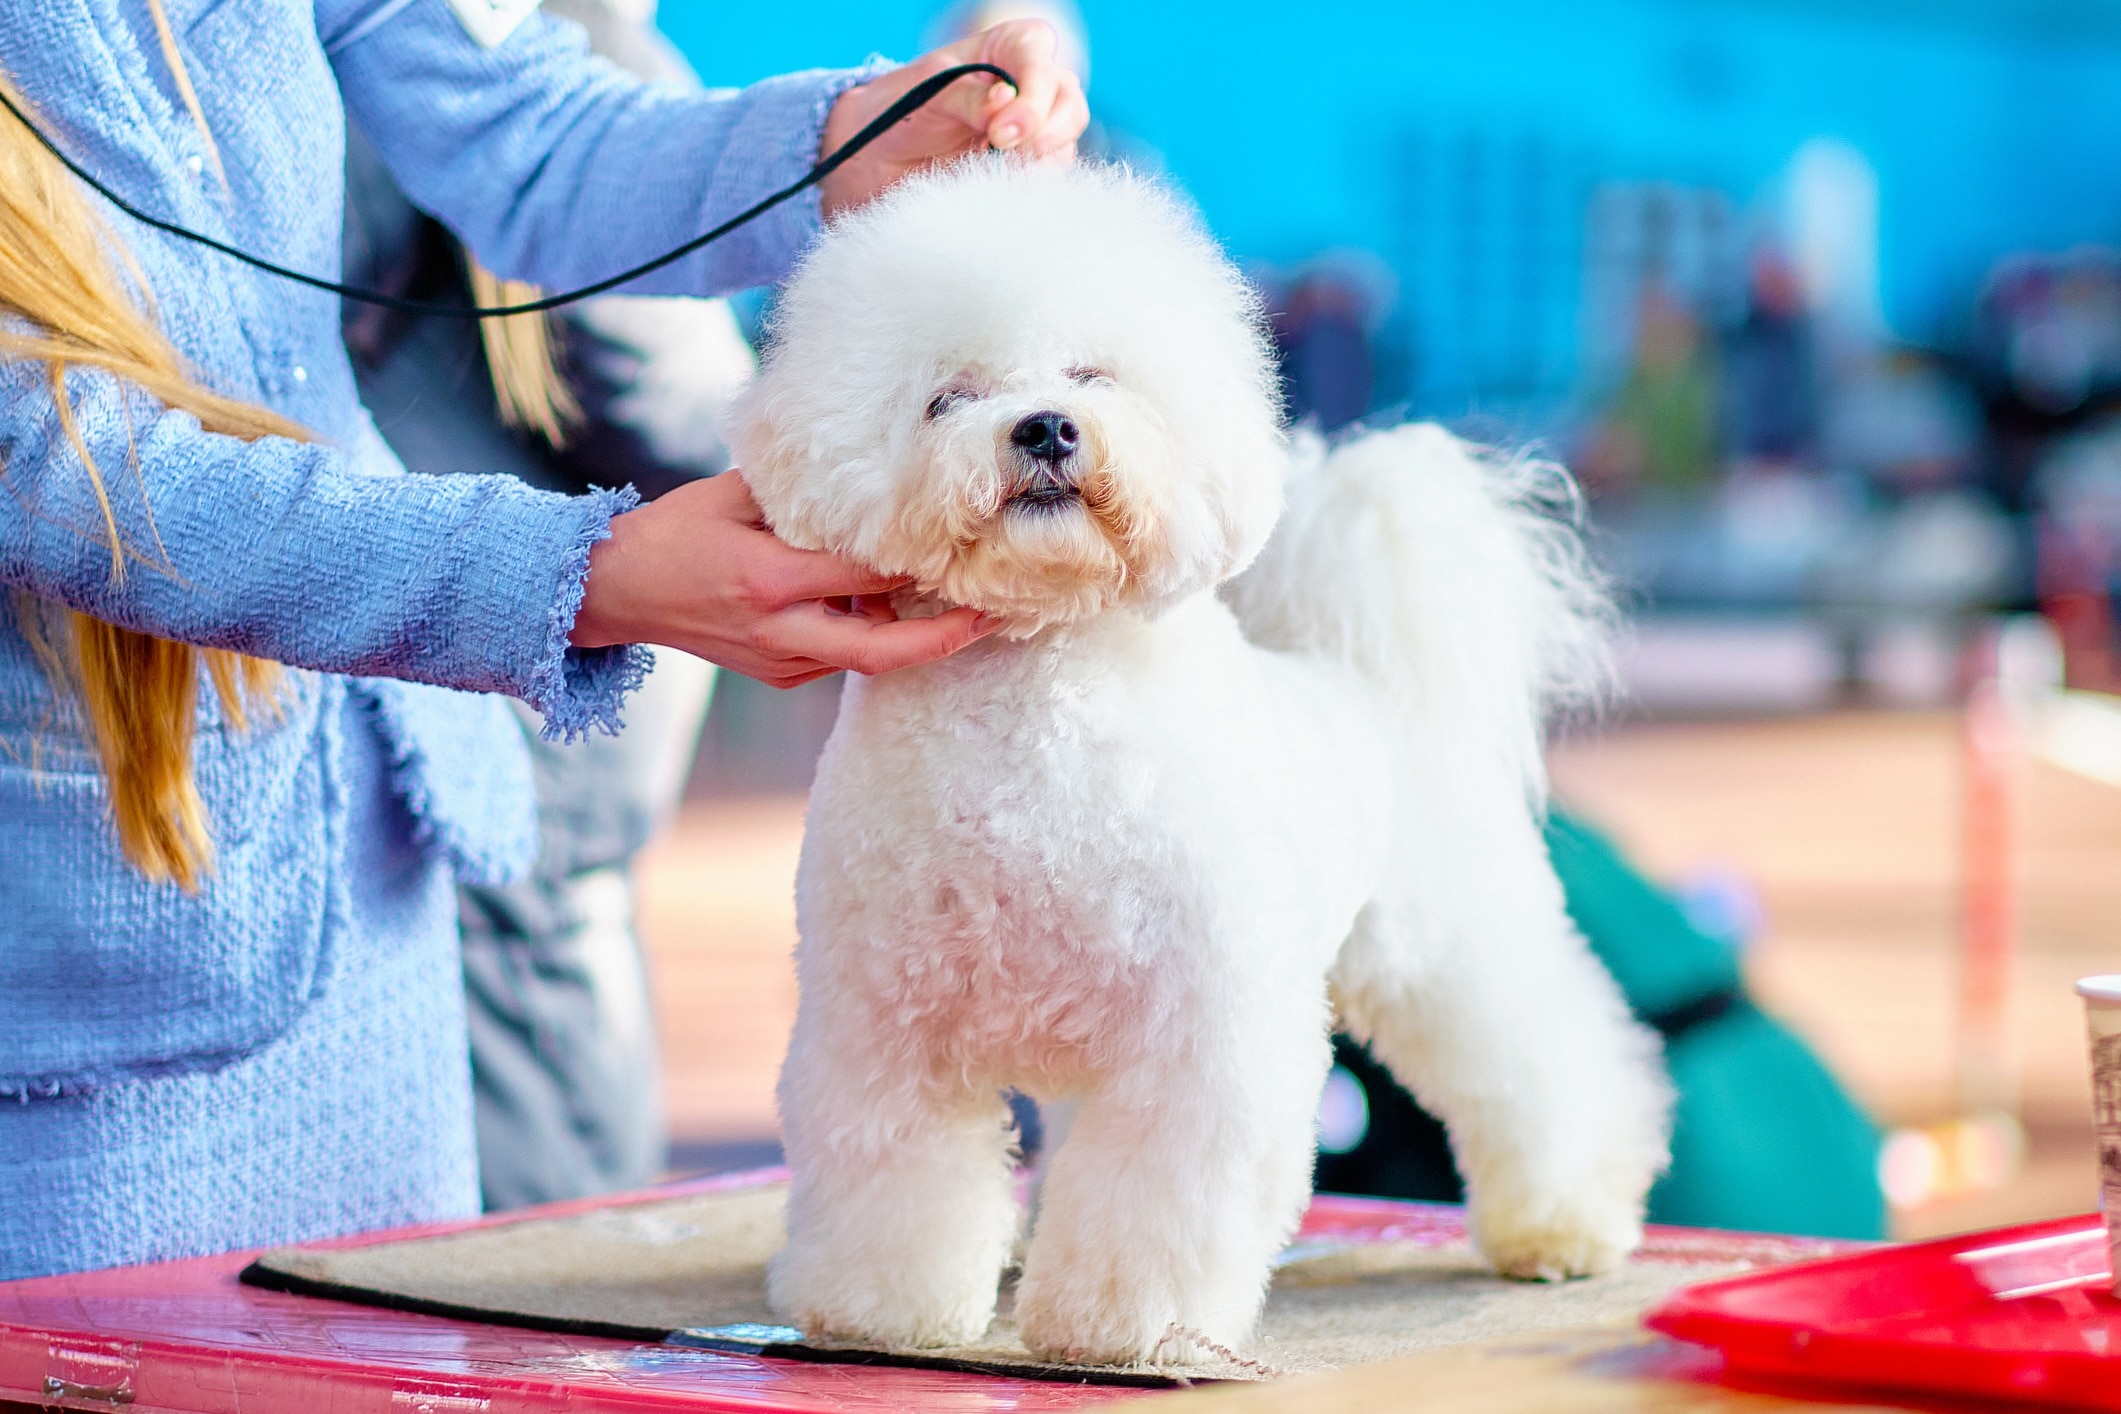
{"x": 521, "y": 359}
{"x": 138, "y": 691}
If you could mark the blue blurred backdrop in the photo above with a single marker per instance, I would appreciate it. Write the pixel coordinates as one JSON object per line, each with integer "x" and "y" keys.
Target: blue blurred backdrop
{"x": 1817, "y": 296}
{"x": 1991, "y": 125}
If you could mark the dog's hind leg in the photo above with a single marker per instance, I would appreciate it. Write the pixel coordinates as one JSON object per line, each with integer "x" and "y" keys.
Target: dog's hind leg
{"x": 1468, "y": 979}
{"x": 1180, "y": 1180}
{"x": 902, "y": 1211}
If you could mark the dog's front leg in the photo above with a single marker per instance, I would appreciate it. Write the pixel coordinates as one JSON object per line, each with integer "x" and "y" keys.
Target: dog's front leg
{"x": 902, "y": 1211}
{"x": 1180, "y": 1180}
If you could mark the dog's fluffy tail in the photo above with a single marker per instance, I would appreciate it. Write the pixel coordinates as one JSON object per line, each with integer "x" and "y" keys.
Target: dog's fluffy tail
{"x": 1452, "y": 577}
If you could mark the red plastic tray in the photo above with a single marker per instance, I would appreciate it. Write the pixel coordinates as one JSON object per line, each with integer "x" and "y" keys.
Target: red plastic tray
{"x": 2023, "y": 1314}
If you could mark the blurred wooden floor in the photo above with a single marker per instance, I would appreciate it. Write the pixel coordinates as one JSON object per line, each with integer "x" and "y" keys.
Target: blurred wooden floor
{"x": 718, "y": 914}
{"x": 1847, "y": 824}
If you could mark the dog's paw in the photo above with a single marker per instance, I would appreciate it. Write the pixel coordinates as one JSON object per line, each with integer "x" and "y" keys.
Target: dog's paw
{"x": 1106, "y": 1338}
{"x": 840, "y": 1302}
{"x": 1088, "y": 1322}
{"x": 1565, "y": 1240}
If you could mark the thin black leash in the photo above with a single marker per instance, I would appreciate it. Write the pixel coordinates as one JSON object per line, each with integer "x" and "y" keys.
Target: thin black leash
{"x": 913, "y": 99}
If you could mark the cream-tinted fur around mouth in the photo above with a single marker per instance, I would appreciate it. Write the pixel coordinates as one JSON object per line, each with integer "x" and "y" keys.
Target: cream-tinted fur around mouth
{"x": 1210, "y": 791}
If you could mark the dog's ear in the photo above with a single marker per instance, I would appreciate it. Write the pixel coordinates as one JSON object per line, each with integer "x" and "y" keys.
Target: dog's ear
{"x": 810, "y": 492}
{"x": 773, "y": 463}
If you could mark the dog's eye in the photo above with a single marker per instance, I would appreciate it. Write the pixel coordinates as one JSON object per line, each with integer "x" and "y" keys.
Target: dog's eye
{"x": 947, "y": 399}
{"x": 1083, "y": 373}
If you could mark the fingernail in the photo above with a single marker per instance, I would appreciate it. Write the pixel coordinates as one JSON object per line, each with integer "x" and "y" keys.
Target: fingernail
{"x": 987, "y": 623}
{"x": 1007, "y": 135}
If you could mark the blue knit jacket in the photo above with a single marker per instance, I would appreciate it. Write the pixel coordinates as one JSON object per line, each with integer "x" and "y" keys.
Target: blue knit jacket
{"x": 282, "y": 1054}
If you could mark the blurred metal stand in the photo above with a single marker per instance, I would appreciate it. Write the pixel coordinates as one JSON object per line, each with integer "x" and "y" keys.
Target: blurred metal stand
{"x": 2005, "y": 720}
{"x": 1991, "y": 756}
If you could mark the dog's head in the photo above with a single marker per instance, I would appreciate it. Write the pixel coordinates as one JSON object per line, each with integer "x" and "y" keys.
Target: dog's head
{"x": 1039, "y": 391}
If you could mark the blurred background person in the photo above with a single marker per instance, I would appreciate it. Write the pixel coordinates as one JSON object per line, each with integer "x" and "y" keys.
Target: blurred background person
{"x": 1770, "y": 382}
{"x": 1658, "y": 437}
{"x": 610, "y": 392}
{"x": 1325, "y": 316}
{"x": 1324, "y": 347}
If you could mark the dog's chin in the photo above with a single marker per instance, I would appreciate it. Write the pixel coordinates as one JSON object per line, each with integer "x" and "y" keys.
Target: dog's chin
{"x": 1043, "y": 559}
{"x": 1044, "y": 498}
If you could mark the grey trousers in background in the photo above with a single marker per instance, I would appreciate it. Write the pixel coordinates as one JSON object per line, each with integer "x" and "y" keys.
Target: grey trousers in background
{"x": 565, "y": 1066}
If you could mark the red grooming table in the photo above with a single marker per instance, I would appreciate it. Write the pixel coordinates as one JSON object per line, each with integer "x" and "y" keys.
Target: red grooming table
{"x": 188, "y": 1338}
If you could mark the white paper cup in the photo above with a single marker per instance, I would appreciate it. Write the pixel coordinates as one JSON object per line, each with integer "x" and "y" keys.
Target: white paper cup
{"x": 2102, "y": 1016}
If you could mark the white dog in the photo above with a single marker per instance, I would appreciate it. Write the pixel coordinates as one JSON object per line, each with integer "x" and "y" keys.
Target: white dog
{"x": 1138, "y": 850}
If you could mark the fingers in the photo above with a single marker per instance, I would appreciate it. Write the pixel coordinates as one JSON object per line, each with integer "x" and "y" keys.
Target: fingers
{"x": 974, "y": 100}
{"x": 785, "y": 683}
{"x": 699, "y": 570}
{"x": 1048, "y": 96}
{"x": 776, "y": 574}
{"x": 820, "y": 613}
{"x": 871, "y": 646}
{"x": 1042, "y": 114}
{"x": 779, "y": 576}
{"x": 1070, "y": 116}
{"x": 872, "y": 606}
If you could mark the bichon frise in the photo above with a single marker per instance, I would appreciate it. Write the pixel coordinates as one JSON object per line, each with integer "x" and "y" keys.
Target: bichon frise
{"x": 1139, "y": 849}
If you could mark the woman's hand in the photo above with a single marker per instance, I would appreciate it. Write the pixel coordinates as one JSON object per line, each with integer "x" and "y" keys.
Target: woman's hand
{"x": 1042, "y": 116}
{"x": 697, "y": 570}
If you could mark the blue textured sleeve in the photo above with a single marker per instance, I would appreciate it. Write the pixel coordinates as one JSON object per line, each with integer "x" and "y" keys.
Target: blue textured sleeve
{"x": 283, "y": 550}
{"x": 556, "y": 167}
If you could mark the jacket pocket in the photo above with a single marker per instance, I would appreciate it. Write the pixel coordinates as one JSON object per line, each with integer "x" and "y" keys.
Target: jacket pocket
{"x": 106, "y": 976}
{"x": 461, "y": 765}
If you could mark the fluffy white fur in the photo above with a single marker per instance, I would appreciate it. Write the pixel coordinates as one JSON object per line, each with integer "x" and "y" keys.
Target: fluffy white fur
{"x": 1137, "y": 852}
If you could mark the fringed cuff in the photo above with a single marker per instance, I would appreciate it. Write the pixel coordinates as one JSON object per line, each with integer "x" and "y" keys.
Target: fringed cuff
{"x": 578, "y": 690}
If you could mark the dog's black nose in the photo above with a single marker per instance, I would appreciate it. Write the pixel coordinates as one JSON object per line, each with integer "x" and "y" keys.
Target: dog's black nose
{"x": 1048, "y": 436}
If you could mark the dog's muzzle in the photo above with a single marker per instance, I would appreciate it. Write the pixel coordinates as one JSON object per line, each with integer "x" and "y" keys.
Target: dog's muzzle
{"x": 1046, "y": 443}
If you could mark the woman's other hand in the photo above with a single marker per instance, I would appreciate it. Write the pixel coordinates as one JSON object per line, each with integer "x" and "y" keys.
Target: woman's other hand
{"x": 698, "y": 570}
{"x": 1043, "y": 115}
